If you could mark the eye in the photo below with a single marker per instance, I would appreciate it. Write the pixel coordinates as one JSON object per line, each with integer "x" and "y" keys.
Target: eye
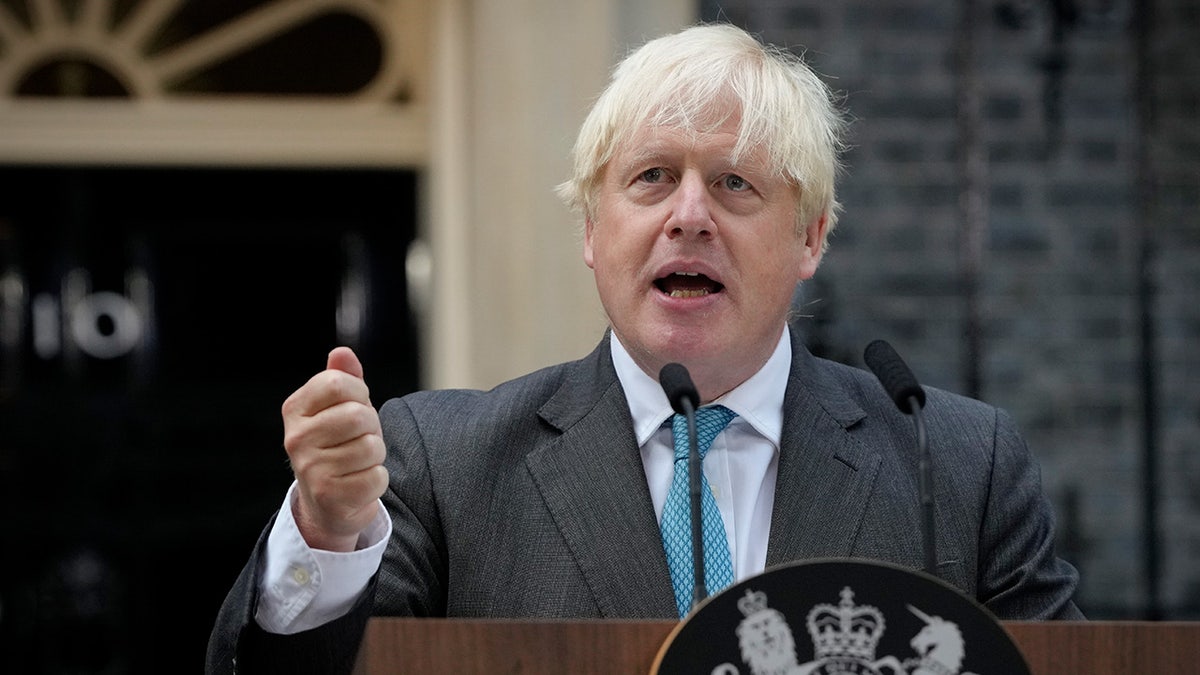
{"x": 736, "y": 183}
{"x": 655, "y": 175}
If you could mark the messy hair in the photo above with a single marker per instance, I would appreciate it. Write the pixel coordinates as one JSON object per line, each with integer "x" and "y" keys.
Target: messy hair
{"x": 688, "y": 80}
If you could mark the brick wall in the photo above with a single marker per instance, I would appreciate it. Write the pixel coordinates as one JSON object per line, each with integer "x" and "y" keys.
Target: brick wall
{"x": 1174, "y": 211}
{"x": 1091, "y": 176}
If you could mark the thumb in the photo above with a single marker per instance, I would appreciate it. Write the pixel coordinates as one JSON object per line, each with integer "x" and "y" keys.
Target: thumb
{"x": 345, "y": 360}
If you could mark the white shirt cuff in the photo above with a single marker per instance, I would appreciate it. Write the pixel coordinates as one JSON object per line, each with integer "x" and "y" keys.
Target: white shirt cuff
{"x": 301, "y": 587}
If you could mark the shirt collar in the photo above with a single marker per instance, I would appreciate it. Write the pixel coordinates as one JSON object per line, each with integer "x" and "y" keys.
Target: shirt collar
{"x": 758, "y": 401}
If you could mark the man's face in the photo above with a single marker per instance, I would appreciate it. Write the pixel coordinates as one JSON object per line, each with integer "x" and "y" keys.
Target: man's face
{"x": 696, "y": 259}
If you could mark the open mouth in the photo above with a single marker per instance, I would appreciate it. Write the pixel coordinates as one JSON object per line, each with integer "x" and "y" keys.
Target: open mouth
{"x": 687, "y": 285}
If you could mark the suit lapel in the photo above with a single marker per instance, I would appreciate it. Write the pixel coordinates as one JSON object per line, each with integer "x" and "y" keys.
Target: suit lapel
{"x": 592, "y": 481}
{"x": 826, "y": 475}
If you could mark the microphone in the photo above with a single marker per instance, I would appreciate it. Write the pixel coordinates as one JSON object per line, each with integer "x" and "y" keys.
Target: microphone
{"x": 897, "y": 380}
{"x": 902, "y": 386}
{"x": 681, "y": 392}
{"x": 677, "y": 384}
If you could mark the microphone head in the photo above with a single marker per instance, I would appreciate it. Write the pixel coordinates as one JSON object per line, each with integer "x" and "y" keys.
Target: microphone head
{"x": 678, "y": 386}
{"x": 897, "y": 380}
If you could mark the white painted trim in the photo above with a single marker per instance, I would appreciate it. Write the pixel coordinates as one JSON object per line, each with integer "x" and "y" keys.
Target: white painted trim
{"x": 229, "y": 133}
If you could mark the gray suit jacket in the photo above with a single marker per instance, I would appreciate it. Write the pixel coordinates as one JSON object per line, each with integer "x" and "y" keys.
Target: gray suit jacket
{"x": 530, "y": 501}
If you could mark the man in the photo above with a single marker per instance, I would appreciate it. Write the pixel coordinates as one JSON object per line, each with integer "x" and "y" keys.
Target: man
{"x": 705, "y": 175}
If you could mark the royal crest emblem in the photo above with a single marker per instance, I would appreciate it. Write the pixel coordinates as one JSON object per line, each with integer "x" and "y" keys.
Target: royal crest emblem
{"x": 845, "y": 638}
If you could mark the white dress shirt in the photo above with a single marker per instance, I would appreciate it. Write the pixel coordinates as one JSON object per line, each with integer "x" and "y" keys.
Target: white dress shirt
{"x": 302, "y": 588}
{"x": 743, "y": 461}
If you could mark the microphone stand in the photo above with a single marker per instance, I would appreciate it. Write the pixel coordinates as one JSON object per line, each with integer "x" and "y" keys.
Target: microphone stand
{"x": 681, "y": 392}
{"x": 925, "y": 468}
{"x": 695, "y": 469}
{"x": 904, "y": 390}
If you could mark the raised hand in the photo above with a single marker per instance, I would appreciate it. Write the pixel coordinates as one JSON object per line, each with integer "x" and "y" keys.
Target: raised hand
{"x": 334, "y": 441}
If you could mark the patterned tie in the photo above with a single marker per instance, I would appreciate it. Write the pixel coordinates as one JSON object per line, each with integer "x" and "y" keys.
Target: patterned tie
{"x": 677, "y": 517}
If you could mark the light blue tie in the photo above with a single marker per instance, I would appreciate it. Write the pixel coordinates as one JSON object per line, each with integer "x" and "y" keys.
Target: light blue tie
{"x": 677, "y": 518}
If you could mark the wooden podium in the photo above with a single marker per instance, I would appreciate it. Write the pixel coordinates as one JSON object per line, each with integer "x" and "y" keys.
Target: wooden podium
{"x": 433, "y": 646}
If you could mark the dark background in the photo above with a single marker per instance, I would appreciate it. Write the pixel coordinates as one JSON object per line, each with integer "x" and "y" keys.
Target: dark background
{"x": 134, "y": 487}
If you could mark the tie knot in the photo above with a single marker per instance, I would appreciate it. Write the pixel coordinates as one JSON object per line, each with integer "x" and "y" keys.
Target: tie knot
{"x": 709, "y": 422}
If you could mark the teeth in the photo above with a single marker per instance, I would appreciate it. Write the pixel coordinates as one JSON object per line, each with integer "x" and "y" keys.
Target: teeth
{"x": 689, "y": 294}
{"x": 688, "y": 274}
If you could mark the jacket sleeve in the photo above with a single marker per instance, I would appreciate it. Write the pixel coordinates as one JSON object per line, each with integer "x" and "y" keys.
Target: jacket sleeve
{"x": 1020, "y": 575}
{"x": 410, "y": 581}
{"x": 238, "y": 645}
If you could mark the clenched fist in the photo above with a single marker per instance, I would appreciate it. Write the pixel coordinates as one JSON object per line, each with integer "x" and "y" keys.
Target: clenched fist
{"x": 335, "y": 444}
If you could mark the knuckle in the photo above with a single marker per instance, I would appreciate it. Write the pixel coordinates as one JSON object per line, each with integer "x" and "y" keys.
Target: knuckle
{"x": 302, "y": 466}
{"x": 335, "y": 385}
{"x": 365, "y": 417}
{"x": 341, "y": 386}
{"x": 378, "y": 451}
{"x": 382, "y": 478}
{"x": 291, "y": 440}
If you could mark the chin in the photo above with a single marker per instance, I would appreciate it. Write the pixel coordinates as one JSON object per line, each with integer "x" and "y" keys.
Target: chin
{"x": 694, "y": 350}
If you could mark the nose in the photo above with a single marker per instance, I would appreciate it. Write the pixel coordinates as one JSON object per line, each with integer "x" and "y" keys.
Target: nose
{"x": 691, "y": 212}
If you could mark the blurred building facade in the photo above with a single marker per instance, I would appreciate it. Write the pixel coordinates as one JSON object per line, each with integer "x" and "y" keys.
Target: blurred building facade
{"x": 1022, "y": 220}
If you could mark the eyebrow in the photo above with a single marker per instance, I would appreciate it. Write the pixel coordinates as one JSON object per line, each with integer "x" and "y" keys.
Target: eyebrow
{"x": 646, "y": 154}
{"x": 659, "y": 152}
{"x": 756, "y": 172}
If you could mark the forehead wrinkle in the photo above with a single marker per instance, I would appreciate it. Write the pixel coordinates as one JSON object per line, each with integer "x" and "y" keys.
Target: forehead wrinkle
{"x": 647, "y": 153}
{"x": 648, "y": 147}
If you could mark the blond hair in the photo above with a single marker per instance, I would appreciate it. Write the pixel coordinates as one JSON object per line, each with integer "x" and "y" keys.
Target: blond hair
{"x": 682, "y": 80}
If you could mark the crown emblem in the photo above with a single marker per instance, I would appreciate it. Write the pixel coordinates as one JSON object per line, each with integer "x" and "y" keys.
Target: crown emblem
{"x": 845, "y": 631}
{"x": 752, "y": 602}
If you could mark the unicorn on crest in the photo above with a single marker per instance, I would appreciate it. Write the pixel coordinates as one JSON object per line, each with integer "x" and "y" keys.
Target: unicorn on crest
{"x": 940, "y": 646}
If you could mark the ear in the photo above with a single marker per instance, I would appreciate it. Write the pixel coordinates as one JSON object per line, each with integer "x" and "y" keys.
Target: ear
{"x": 588, "y": 256}
{"x": 813, "y": 246}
